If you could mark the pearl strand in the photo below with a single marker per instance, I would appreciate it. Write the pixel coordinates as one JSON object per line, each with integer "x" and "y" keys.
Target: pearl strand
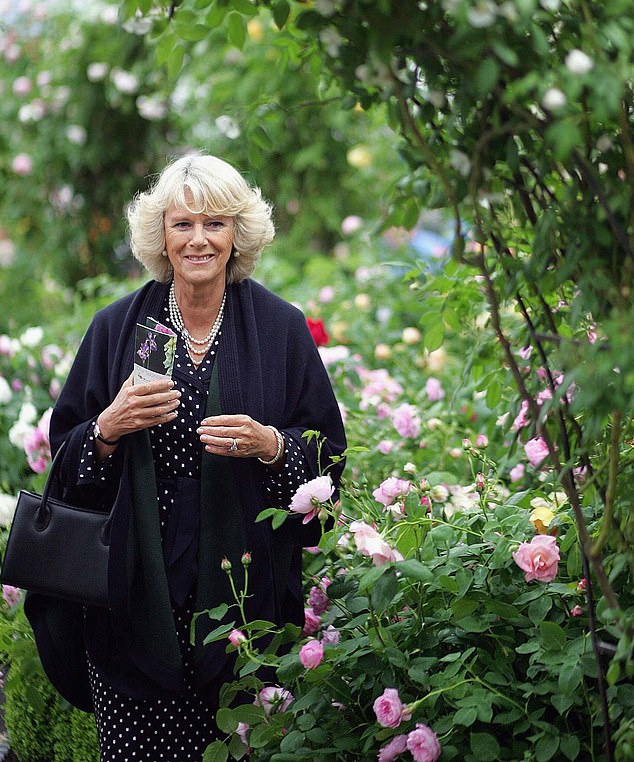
{"x": 177, "y": 319}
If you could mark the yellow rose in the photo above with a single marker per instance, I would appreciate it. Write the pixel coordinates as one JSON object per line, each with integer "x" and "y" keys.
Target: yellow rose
{"x": 541, "y": 517}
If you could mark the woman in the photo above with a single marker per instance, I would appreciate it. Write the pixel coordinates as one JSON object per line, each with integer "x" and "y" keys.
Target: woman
{"x": 188, "y": 464}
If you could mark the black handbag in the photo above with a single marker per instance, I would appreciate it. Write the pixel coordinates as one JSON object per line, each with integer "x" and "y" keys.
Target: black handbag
{"x": 58, "y": 549}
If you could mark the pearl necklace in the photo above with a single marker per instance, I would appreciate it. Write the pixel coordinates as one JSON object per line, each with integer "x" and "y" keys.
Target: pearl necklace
{"x": 177, "y": 320}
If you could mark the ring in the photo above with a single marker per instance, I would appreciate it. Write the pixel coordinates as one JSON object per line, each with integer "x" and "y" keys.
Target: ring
{"x": 234, "y": 445}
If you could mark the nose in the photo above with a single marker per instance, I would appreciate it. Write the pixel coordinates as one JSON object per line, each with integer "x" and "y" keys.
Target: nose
{"x": 198, "y": 235}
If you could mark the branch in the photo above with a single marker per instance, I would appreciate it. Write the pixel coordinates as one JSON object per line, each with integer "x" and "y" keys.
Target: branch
{"x": 589, "y": 176}
{"x": 610, "y": 493}
{"x": 428, "y": 154}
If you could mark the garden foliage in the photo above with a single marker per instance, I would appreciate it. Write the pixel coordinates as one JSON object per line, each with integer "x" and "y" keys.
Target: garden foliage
{"x": 472, "y": 595}
{"x": 515, "y": 117}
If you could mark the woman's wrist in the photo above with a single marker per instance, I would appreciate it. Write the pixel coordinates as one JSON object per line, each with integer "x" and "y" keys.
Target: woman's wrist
{"x": 279, "y": 449}
{"x": 104, "y": 435}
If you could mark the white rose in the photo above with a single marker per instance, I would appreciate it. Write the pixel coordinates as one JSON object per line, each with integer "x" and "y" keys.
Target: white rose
{"x": 553, "y": 99}
{"x": 96, "y": 71}
{"x": 7, "y": 509}
{"x": 124, "y": 81}
{"x": 32, "y": 336}
{"x": 578, "y": 62}
{"x": 439, "y": 493}
{"x": 5, "y": 391}
{"x": 18, "y": 432}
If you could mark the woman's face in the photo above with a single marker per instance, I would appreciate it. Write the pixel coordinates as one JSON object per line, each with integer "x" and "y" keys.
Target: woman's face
{"x": 198, "y": 245}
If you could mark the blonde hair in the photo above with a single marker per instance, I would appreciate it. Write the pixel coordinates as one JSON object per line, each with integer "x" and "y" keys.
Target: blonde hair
{"x": 211, "y": 185}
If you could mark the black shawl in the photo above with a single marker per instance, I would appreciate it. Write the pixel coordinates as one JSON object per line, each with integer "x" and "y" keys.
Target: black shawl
{"x": 267, "y": 366}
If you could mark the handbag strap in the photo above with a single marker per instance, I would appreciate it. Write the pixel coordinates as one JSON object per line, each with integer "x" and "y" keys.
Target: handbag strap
{"x": 43, "y": 516}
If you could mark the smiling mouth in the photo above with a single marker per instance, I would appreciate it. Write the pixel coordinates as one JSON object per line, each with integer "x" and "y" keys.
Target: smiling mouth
{"x": 201, "y": 258}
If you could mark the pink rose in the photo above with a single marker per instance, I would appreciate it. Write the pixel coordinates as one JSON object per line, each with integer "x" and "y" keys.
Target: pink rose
{"x": 308, "y": 497}
{"x": 406, "y": 421}
{"x": 536, "y": 450}
{"x": 391, "y": 489}
{"x": 521, "y": 419}
{"x": 311, "y": 622}
{"x": 22, "y": 164}
{"x": 389, "y": 709}
{"x": 330, "y": 636}
{"x": 423, "y": 744}
{"x": 525, "y": 352}
{"x": 242, "y": 731}
{"x": 385, "y": 446}
{"x": 517, "y": 472}
{"x": 237, "y": 637}
{"x": 538, "y": 558}
{"x": 311, "y": 654}
{"x": 318, "y": 599}
{"x": 274, "y": 699}
{"x": 22, "y": 86}
{"x": 393, "y": 749}
{"x": 434, "y": 390}
{"x": 370, "y": 543}
{"x": 482, "y": 440}
{"x": 576, "y": 611}
{"x": 12, "y": 595}
{"x": 37, "y": 449}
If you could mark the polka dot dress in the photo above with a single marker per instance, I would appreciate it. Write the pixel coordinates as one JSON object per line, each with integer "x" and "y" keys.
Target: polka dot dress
{"x": 174, "y": 729}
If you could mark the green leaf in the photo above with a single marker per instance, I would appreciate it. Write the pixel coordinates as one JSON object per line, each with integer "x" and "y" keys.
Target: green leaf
{"x": 570, "y": 747}
{"x": 175, "y": 60}
{"x": 261, "y": 735}
{"x": 244, "y": 6}
{"x": 191, "y": 32}
{"x": 218, "y": 612}
{"x": 236, "y": 29}
{"x": 562, "y": 703}
{"x": 570, "y": 675}
{"x": 216, "y": 752}
{"x": 504, "y": 53}
{"x": 434, "y": 336}
{"x": 494, "y": 393}
{"x": 574, "y": 561}
{"x": 384, "y": 591}
{"x": 466, "y": 716}
{"x": 546, "y": 747}
{"x": 219, "y": 633}
{"x": 369, "y": 578}
{"x": 462, "y": 607}
{"x": 484, "y": 747}
{"x": 248, "y": 713}
{"x": 487, "y": 75}
{"x": 538, "y": 609}
{"x": 552, "y": 635}
{"x": 413, "y": 569}
{"x": 164, "y": 46}
{"x": 261, "y": 138}
{"x": 226, "y": 720}
{"x": 216, "y": 15}
{"x": 292, "y": 741}
{"x": 281, "y": 11}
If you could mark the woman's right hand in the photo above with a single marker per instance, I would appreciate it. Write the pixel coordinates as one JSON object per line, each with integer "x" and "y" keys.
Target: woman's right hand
{"x": 138, "y": 407}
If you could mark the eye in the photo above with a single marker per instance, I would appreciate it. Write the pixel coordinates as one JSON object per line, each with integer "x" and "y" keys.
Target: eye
{"x": 214, "y": 224}
{"x": 181, "y": 224}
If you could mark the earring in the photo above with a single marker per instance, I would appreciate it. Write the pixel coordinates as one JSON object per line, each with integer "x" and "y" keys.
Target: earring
{"x": 164, "y": 253}
{"x": 236, "y": 253}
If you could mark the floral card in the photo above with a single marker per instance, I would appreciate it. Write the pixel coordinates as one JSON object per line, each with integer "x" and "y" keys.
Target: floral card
{"x": 155, "y": 346}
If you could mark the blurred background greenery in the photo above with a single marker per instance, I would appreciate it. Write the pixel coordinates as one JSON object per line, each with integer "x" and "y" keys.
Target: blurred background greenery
{"x": 87, "y": 117}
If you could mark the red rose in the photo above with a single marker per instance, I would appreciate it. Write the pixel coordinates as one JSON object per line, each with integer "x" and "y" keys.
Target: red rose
{"x": 318, "y": 331}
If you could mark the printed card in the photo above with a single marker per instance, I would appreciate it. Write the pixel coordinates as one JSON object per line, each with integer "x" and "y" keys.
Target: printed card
{"x": 155, "y": 347}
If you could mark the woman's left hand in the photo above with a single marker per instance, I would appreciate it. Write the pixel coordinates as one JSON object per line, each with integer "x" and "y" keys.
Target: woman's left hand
{"x": 238, "y": 436}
